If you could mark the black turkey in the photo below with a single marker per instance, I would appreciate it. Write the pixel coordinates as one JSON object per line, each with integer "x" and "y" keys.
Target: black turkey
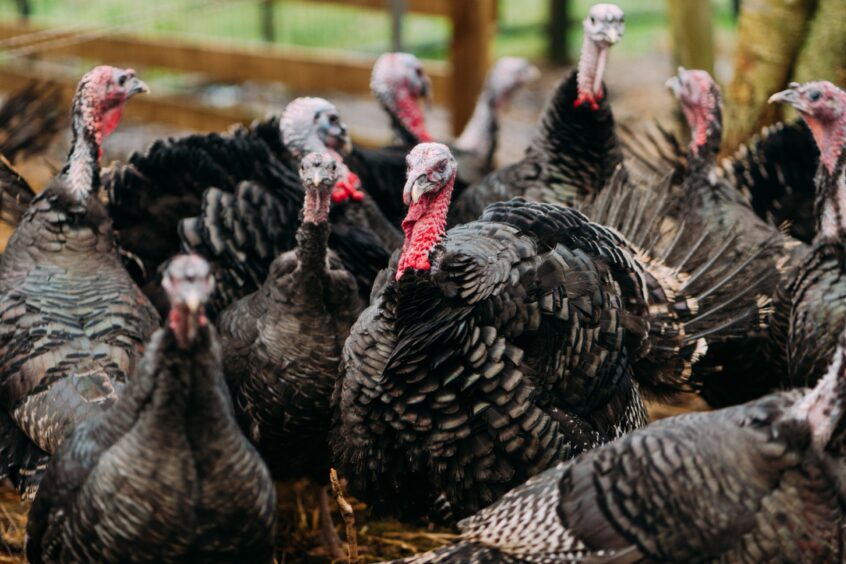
{"x": 166, "y": 475}
{"x": 492, "y": 351}
{"x": 575, "y": 149}
{"x": 282, "y": 344}
{"x": 398, "y": 82}
{"x": 810, "y": 304}
{"x": 235, "y": 200}
{"x": 760, "y": 482}
{"x": 737, "y": 371}
{"x": 72, "y": 322}
{"x": 775, "y": 170}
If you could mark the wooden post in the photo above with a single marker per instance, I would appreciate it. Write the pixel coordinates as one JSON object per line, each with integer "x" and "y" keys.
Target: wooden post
{"x": 559, "y": 26}
{"x": 823, "y": 55}
{"x": 769, "y": 36}
{"x": 693, "y": 34}
{"x": 472, "y": 28}
{"x": 268, "y": 27}
{"x": 398, "y": 8}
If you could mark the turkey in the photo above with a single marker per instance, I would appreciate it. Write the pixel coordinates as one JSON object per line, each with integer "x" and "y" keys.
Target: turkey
{"x": 282, "y": 344}
{"x": 775, "y": 171}
{"x": 30, "y": 119}
{"x": 398, "y": 82}
{"x": 72, "y": 322}
{"x": 165, "y": 475}
{"x": 708, "y": 199}
{"x": 235, "y": 200}
{"x": 575, "y": 150}
{"x": 492, "y": 351}
{"x": 810, "y": 304}
{"x": 759, "y": 482}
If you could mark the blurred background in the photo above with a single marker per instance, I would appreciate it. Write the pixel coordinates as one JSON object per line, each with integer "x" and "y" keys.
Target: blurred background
{"x": 216, "y": 62}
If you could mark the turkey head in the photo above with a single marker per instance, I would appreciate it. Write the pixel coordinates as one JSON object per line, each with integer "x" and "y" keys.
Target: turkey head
{"x": 319, "y": 173}
{"x": 189, "y": 283}
{"x": 700, "y": 100}
{"x": 603, "y": 27}
{"x": 823, "y": 107}
{"x": 427, "y": 193}
{"x": 399, "y": 83}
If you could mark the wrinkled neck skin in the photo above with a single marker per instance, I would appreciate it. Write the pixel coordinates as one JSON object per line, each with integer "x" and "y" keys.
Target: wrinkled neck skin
{"x": 830, "y": 201}
{"x": 591, "y": 70}
{"x": 407, "y": 118}
{"x": 424, "y": 227}
{"x": 82, "y": 169}
{"x": 316, "y": 205}
{"x": 313, "y": 234}
{"x": 480, "y": 134}
{"x": 706, "y": 136}
{"x": 185, "y": 327}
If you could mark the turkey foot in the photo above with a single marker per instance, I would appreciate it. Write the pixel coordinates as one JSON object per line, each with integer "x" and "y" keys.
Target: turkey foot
{"x": 348, "y": 515}
{"x": 329, "y": 536}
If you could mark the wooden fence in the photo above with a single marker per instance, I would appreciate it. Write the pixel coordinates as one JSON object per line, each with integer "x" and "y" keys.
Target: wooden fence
{"x": 301, "y": 69}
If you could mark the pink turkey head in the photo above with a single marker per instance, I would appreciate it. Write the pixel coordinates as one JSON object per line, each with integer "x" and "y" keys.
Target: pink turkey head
{"x": 823, "y": 107}
{"x": 700, "y": 100}
{"x": 399, "y": 82}
{"x": 318, "y": 173}
{"x": 603, "y": 27}
{"x": 427, "y": 193}
{"x": 101, "y": 96}
{"x": 188, "y": 282}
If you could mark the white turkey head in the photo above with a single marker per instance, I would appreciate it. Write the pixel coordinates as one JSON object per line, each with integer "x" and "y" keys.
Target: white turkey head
{"x": 427, "y": 193}
{"x": 318, "y": 173}
{"x": 313, "y": 124}
{"x": 399, "y": 83}
{"x": 188, "y": 282}
{"x": 603, "y": 27}
{"x": 507, "y": 76}
{"x": 700, "y": 100}
{"x": 823, "y": 107}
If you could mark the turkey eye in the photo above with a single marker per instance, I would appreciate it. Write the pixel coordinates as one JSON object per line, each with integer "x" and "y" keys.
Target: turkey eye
{"x": 592, "y": 20}
{"x": 333, "y": 119}
{"x": 814, "y": 95}
{"x": 122, "y": 80}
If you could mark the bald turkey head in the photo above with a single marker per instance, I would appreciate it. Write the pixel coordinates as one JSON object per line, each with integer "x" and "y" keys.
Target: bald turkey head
{"x": 603, "y": 27}
{"x": 318, "y": 173}
{"x": 311, "y": 124}
{"x": 700, "y": 100}
{"x": 823, "y": 107}
{"x": 427, "y": 193}
{"x": 188, "y": 282}
{"x": 507, "y": 76}
{"x": 399, "y": 83}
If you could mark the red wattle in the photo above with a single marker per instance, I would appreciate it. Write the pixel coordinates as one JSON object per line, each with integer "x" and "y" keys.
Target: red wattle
{"x": 587, "y": 98}
{"x": 411, "y": 115}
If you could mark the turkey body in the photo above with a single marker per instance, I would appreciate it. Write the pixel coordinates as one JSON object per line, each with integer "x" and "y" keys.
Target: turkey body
{"x": 573, "y": 155}
{"x": 742, "y": 484}
{"x": 164, "y": 476}
{"x": 282, "y": 348}
{"x": 512, "y": 354}
{"x": 72, "y": 322}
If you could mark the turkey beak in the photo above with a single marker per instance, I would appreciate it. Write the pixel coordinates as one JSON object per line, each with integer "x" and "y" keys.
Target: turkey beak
{"x": 192, "y": 301}
{"x": 136, "y": 86}
{"x": 415, "y": 186}
{"x": 316, "y": 179}
{"x": 612, "y": 36}
{"x": 789, "y": 96}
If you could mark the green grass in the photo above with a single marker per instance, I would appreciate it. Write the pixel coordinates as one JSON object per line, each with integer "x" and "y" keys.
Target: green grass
{"x": 522, "y": 23}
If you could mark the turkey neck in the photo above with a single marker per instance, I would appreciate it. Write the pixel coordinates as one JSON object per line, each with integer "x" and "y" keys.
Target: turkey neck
{"x": 823, "y": 407}
{"x": 407, "y": 118}
{"x": 592, "y": 67}
{"x": 830, "y": 201}
{"x": 706, "y": 137}
{"x": 424, "y": 227}
{"x": 480, "y": 134}
{"x": 312, "y": 242}
{"x": 82, "y": 168}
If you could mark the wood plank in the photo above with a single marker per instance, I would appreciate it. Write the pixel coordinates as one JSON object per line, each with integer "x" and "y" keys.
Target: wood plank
{"x": 303, "y": 70}
{"x": 471, "y": 41}
{"x": 430, "y": 7}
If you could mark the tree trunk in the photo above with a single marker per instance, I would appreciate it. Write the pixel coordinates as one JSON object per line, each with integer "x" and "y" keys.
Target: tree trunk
{"x": 823, "y": 55}
{"x": 770, "y": 34}
{"x": 693, "y": 34}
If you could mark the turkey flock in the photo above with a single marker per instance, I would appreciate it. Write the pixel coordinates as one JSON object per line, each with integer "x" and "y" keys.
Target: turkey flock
{"x": 467, "y": 346}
